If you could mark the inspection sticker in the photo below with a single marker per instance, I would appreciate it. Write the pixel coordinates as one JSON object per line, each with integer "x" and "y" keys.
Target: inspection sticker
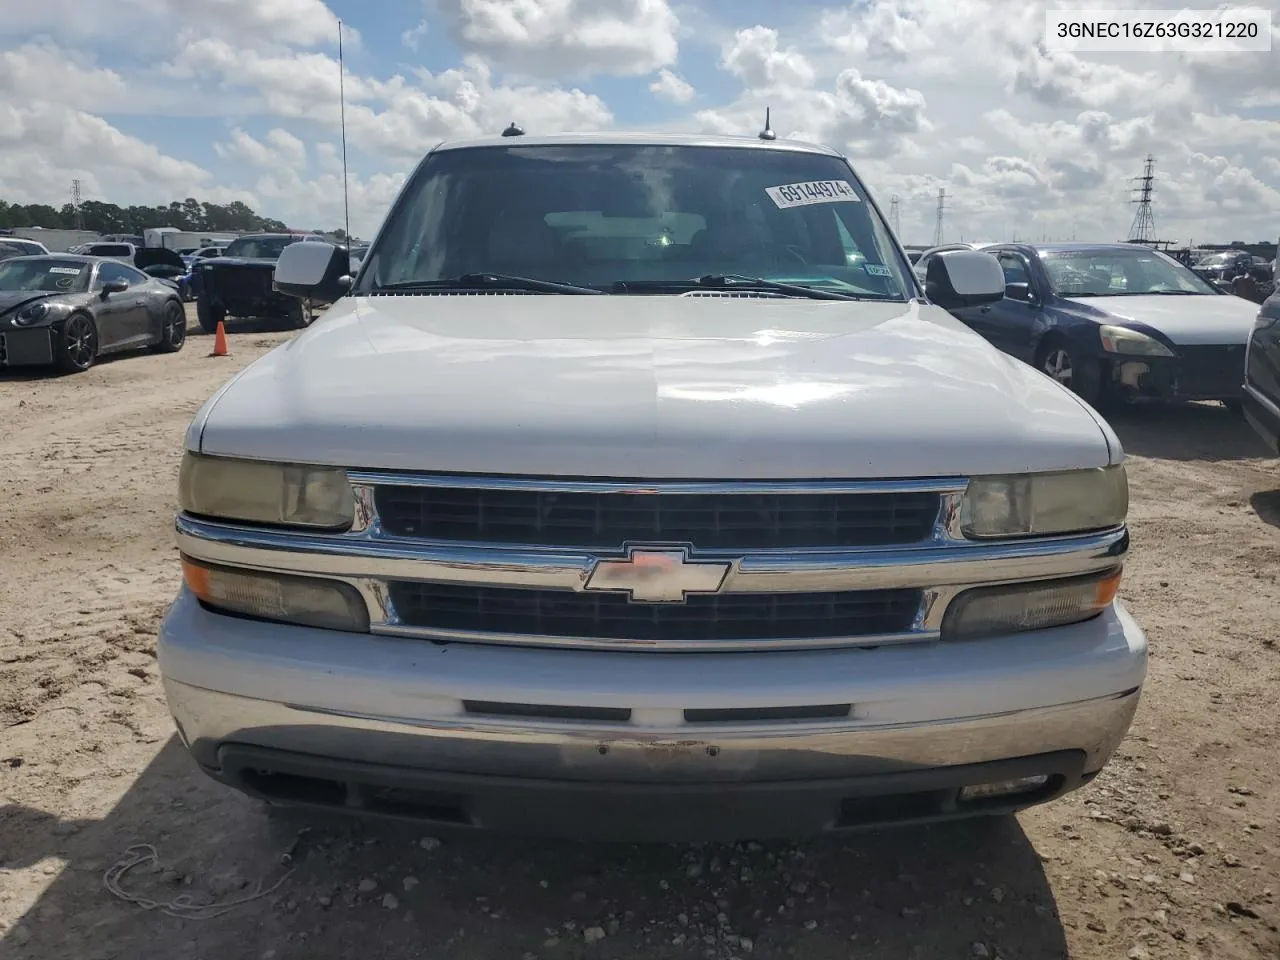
{"x": 877, "y": 270}
{"x": 71, "y": 270}
{"x": 815, "y": 191}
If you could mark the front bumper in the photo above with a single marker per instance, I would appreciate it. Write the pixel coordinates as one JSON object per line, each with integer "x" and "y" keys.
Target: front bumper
{"x": 460, "y": 733}
{"x": 1196, "y": 373}
{"x": 26, "y": 347}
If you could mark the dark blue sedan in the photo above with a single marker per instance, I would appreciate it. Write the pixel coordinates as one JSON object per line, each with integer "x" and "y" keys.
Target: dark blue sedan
{"x": 1116, "y": 321}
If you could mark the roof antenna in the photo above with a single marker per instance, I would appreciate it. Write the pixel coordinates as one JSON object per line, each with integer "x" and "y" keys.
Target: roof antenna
{"x": 513, "y": 131}
{"x": 342, "y": 107}
{"x": 767, "y": 133}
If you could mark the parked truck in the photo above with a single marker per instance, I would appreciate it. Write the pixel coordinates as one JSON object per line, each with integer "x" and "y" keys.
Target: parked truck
{"x": 637, "y": 488}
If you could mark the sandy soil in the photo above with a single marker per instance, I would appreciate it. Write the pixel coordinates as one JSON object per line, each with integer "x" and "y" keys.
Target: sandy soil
{"x": 1172, "y": 852}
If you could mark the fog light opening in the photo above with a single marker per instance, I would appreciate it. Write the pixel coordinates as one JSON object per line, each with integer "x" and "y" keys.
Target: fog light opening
{"x": 1003, "y": 788}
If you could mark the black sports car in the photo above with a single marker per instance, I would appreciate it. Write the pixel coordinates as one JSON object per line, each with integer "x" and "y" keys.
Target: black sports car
{"x": 68, "y": 310}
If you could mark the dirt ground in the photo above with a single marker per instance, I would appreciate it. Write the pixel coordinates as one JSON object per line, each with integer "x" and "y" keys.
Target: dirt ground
{"x": 1172, "y": 852}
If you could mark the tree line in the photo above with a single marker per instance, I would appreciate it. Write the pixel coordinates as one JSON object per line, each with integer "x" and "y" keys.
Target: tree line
{"x": 189, "y": 214}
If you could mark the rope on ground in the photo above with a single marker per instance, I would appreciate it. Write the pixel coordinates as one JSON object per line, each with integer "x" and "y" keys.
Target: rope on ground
{"x": 182, "y": 907}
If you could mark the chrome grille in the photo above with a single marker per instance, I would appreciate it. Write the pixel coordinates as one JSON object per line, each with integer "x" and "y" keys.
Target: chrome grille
{"x": 513, "y": 560}
{"x": 611, "y": 616}
{"x": 728, "y": 521}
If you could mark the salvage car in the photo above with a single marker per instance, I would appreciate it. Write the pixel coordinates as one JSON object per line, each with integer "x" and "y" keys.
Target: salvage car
{"x": 615, "y": 498}
{"x": 67, "y": 311}
{"x": 1262, "y": 375}
{"x": 239, "y": 283}
{"x": 23, "y": 247}
{"x": 1117, "y": 322}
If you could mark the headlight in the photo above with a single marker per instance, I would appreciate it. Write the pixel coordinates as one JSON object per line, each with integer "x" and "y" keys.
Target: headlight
{"x": 306, "y": 601}
{"x": 991, "y": 611}
{"x": 1041, "y": 504}
{"x": 1131, "y": 342}
{"x": 255, "y": 491}
{"x": 33, "y": 314}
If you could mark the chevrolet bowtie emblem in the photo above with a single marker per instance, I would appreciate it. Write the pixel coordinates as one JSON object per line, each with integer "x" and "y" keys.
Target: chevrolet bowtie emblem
{"x": 658, "y": 575}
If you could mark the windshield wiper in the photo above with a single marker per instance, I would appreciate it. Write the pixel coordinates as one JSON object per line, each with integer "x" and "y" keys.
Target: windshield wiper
{"x": 489, "y": 281}
{"x": 732, "y": 281}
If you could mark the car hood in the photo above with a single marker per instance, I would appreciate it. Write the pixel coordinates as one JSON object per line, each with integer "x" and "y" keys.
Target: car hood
{"x": 157, "y": 257}
{"x": 14, "y": 300}
{"x": 649, "y": 387}
{"x": 1184, "y": 320}
{"x": 238, "y": 262}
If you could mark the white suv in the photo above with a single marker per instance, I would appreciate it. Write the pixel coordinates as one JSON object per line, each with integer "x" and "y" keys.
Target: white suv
{"x": 637, "y": 489}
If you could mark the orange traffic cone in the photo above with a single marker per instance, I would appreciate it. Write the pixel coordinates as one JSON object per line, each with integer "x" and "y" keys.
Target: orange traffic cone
{"x": 220, "y": 341}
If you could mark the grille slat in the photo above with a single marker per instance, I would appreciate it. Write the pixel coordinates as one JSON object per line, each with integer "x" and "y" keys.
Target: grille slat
{"x": 710, "y": 521}
{"x": 611, "y": 616}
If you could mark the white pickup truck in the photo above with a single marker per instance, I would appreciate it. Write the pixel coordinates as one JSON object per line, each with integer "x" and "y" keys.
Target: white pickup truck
{"x": 636, "y": 488}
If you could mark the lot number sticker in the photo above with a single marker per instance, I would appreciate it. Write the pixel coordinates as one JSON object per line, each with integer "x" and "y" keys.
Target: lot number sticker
{"x": 74, "y": 271}
{"x": 815, "y": 191}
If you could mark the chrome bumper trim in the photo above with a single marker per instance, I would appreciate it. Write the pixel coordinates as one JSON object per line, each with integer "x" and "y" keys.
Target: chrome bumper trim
{"x": 684, "y": 753}
{"x": 800, "y": 571}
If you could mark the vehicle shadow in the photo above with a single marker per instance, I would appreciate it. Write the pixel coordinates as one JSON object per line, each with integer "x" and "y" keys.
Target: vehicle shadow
{"x": 925, "y": 893}
{"x": 1266, "y": 504}
{"x": 1186, "y": 431}
{"x": 32, "y": 374}
{"x": 242, "y": 325}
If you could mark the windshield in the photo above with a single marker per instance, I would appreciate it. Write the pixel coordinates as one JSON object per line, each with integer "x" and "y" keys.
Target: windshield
{"x": 49, "y": 276}
{"x": 1114, "y": 273}
{"x": 258, "y": 248}
{"x": 600, "y": 215}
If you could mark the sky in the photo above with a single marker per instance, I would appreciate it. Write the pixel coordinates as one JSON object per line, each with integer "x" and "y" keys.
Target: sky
{"x": 147, "y": 101}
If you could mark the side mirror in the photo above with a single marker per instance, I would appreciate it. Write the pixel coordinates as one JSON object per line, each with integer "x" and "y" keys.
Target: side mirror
{"x": 964, "y": 278}
{"x": 312, "y": 270}
{"x": 1018, "y": 291}
{"x": 115, "y": 286}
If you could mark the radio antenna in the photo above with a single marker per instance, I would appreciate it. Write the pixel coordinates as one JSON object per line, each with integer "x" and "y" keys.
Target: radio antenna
{"x": 767, "y": 133}
{"x": 342, "y": 114}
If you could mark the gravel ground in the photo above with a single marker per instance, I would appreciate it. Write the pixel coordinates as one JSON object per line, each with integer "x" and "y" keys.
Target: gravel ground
{"x": 1172, "y": 852}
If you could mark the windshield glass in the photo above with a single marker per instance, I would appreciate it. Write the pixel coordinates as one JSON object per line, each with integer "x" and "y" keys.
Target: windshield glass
{"x": 598, "y": 215}
{"x": 258, "y": 248}
{"x": 1113, "y": 273}
{"x": 51, "y": 276}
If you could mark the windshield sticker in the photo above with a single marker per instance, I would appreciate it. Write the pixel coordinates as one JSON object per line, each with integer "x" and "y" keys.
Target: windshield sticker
{"x": 815, "y": 191}
{"x": 74, "y": 271}
{"x": 63, "y": 282}
{"x": 877, "y": 270}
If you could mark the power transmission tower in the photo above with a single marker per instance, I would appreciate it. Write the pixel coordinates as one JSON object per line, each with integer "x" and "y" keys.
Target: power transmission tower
{"x": 75, "y": 204}
{"x": 937, "y": 226}
{"x": 894, "y": 217}
{"x": 1144, "y": 224}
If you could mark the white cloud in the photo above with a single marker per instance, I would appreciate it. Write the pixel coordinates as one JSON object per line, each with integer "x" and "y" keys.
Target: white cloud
{"x": 318, "y": 203}
{"x": 412, "y": 37}
{"x": 299, "y": 22}
{"x": 249, "y": 22}
{"x": 754, "y": 57}
{"x": 865, "y": 116}
{"x": 44, "y": 145}
{"x": 281, "y": 149}
{"x": 670, "y": 87}
{"x": 46, "y": 72}
{"x": 566, "y": 38}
